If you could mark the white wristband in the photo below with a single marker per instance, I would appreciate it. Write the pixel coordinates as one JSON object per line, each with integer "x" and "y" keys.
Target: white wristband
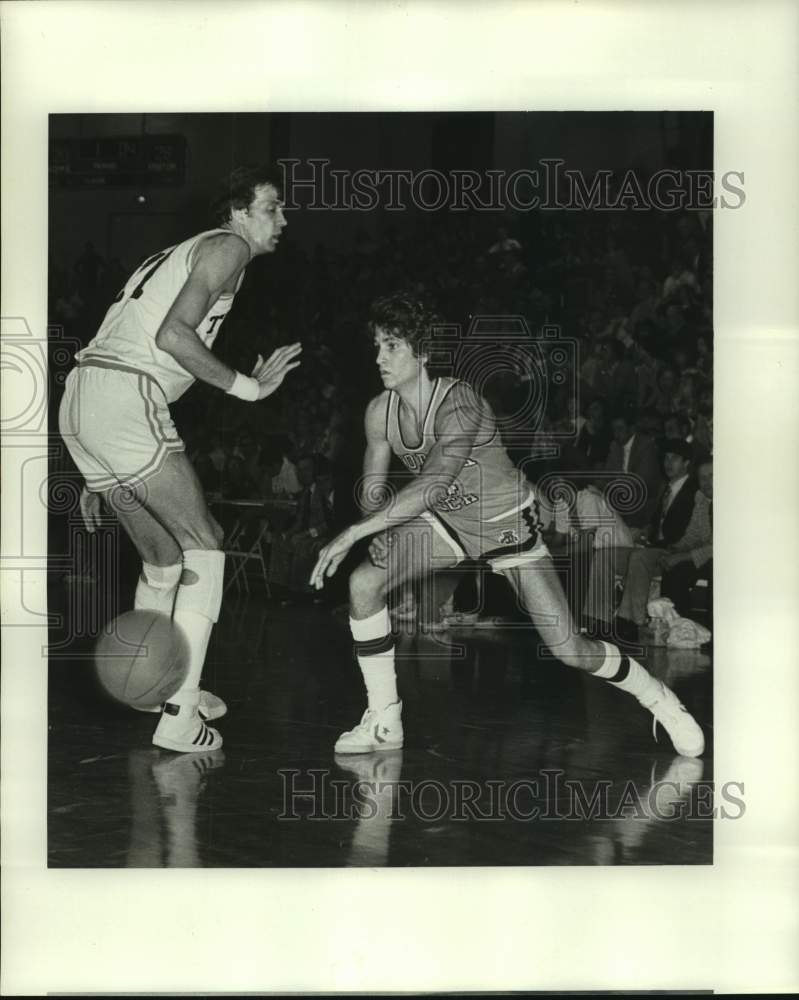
{"x": 245, "y": 387}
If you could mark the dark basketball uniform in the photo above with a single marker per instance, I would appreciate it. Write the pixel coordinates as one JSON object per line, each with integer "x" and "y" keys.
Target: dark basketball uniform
{"x": 490, "y": 511}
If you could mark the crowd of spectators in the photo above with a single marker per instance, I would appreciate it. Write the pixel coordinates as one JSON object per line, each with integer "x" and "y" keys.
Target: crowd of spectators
{"x": 632, "y": 290}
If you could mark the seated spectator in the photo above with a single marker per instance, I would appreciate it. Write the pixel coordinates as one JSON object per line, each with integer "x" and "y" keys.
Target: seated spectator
{"x": 270, "y": 465}
{"x": 636, "y": 454}
{"x": 703, "y": 429}
{"x": 676, "y": 427}
{"x": 294, "y": 551}
{"x": 592, "y": 365}
{"x": 218, "y": 452}
{"x": 665, "y": 391}
{"x": 677, "y": 331}
{"x": 248, "y": 449}
{"x": 593, "y": 441}
{"x": 285, "y": 482}
{"x": 593, "y": 524}
{"x": 616, "y": 380}
{"x": 704, "y": 355}
{"x": 237, "y": 483}
{"x": 650, "y": 423}
{"x": 645, "y": 309}
{"x": 691, "y": 557}
{"x": 592, "y": 517}
{"x": 505, "y": 242}
{"x": 687, "y": 394}
{"x": 302, "y": 439}
{"x": 679, "y": 276}
{"x": 332, "y": 441}
{"x": 672, "y": 516}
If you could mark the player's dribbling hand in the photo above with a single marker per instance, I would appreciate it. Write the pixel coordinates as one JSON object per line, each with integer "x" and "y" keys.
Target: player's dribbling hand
{"x": 270, "y": 373}
{"x": 378, "y": 549}
{"x": 330, "y": 558}
{"x": 90, "y": 509}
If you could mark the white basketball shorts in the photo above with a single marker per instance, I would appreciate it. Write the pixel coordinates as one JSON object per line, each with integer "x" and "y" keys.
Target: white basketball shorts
{"x": 116, "y": 424}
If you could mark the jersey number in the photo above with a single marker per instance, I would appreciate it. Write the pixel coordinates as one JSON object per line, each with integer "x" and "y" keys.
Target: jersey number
{"x": 156, "y": 261}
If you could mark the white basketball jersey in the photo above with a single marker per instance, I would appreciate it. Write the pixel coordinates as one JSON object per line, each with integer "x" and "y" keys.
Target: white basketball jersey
{"x": 127, "y": 334}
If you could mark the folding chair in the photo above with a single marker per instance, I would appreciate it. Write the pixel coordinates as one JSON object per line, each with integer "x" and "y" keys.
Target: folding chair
{"x": 238, "y": 556}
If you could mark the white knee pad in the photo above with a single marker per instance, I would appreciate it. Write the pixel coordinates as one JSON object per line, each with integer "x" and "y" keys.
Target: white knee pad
{"x": 201, "y": 585}
{"x": 161, "y": 577}
{"x": 155, "y": 590}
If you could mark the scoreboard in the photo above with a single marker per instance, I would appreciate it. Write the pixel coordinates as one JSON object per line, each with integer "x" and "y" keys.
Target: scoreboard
{"x": 118, "y": 161}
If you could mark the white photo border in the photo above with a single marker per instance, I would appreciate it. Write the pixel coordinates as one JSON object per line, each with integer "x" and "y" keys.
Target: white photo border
{"x": 730, "y": 926}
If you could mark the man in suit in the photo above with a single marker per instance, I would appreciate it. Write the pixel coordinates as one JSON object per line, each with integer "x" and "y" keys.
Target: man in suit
{"x": 637, "y": 455}
{"x": 638, "y": 561}
{"x": 692, "y": 556}
{"x": 673, "y": 513}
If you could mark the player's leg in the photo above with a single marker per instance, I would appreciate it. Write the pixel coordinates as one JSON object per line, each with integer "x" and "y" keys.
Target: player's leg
{"x": 542, "y": 596}
{"x": 162, "y": 559}
{"x": 416, "y": 549}
{"x": 162, "y": 572}
{"x": 173, "y": 497}
{"x": 117, "y": 426}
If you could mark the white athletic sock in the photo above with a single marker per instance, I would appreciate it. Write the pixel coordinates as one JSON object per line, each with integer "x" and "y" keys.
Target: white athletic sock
{"x": 197, "y": 630}
{"x": 196, "y": 609}
{"x": 626, "y": 673}
{"x": 374, "y": 648}
{"x": 156, "y": 588}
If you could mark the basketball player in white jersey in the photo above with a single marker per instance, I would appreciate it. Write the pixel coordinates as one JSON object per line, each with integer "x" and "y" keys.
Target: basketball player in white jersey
{"x": 154, "y": 342}
{"x": 465, "y": 498}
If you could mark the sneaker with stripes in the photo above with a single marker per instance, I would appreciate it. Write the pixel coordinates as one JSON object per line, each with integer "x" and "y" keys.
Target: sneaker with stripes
{"x": 211, "y": 707}
{"x": 182, "y": 729}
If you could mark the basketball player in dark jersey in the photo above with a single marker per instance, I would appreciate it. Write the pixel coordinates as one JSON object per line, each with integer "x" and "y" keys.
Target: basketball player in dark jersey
{"x": 465, "y": 498}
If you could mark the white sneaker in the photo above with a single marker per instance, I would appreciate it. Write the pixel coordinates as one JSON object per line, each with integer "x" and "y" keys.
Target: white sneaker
{"x": 678, "y": 722}
{"x": 180, "y": 728}
{"x": 211, "y": 707}
{"x": 377, "y": 730}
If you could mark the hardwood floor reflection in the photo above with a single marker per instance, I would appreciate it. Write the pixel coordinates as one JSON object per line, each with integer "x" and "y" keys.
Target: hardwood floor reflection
{"x": 505, "y": 752}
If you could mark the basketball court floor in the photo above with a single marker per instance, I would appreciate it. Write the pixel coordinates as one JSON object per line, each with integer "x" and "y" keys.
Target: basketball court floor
{"x": 509, "y": 757}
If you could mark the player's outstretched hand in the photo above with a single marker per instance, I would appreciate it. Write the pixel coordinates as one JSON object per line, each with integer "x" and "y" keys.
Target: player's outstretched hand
{"x": 90, "y": 509}
{"x": 330, "y": 558}
{"x": 378, "y": 549}
{"x": 270, "y": 373}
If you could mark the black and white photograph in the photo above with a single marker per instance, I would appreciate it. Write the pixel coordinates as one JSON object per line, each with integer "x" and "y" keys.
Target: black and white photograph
{"x": 369, "y": 623}
{"x": 384, "y": 489}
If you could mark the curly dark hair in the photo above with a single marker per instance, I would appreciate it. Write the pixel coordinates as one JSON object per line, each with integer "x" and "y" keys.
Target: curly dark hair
{"x": 407, "y": 317}
{"x": 237, "y": 190}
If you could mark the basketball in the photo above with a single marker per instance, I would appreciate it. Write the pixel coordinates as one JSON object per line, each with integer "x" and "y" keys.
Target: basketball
{"x": 144, "y": 660}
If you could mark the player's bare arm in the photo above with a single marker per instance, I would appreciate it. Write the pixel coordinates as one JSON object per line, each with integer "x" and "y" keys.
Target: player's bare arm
{"x": 457, "y": 427}
{"x": 459, "y": 424}
{"x": 218, "y": 267}
{"x": 372, "y": 494}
